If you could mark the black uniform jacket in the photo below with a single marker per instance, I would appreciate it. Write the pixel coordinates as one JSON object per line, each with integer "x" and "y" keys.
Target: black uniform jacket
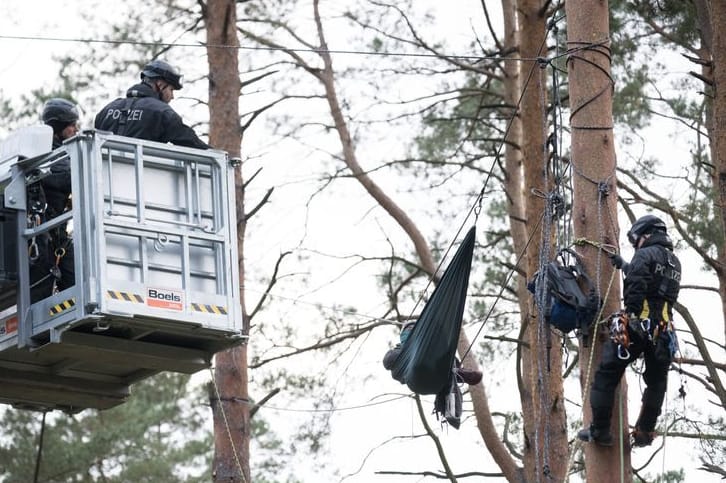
{"x": 652, "y": 279}
{"x": 143, "y": 115}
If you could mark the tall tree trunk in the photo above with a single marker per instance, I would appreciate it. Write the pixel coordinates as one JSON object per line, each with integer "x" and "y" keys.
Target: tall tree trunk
{"x": 230, "y": 406}
{"x": 718, "y": 130}
{"x": 541, "y": 389}
{"x": 595, "y": 201}
{"x": 710, "y": 60}
{"x": 513, "y": 175}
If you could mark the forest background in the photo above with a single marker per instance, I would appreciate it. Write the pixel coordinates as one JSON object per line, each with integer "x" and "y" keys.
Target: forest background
{"x": 344, "y": 272}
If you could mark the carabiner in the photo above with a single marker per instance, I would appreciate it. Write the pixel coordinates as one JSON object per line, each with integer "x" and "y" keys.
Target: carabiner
{"x": 623, "y": 352}
{"x": 33, "y": 250}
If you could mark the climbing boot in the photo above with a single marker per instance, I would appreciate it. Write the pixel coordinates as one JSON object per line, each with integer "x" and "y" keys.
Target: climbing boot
{"x": 595, "y": 435}
{"x": 640, "y": 438}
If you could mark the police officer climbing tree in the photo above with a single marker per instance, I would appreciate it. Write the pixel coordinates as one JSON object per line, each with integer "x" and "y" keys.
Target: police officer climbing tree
{"x": 650, "y": 289}
{"x": 145, "y": 112}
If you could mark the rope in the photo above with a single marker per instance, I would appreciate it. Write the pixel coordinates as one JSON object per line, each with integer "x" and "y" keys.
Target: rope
{"x": 539, "y": 424}
{"x": 503, "y": 287}
{"x": 621, "y": 443}
{"x": 36, "y": 472}
{"x": 665, "y": 435}
{"x": 588, "y": 372}
{"x": 555, "y": 211}
{"x": 542, "y": 329}
{"x": 606, "y": 247}
{"x": 226, "y": 425}
{"x": 476, "y": 206}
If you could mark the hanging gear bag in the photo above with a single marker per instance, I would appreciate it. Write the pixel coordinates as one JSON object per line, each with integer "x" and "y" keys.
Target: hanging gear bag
{"x": 568, "y": 298}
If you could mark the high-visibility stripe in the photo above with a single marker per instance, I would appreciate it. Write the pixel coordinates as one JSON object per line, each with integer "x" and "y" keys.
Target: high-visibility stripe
{"x": 125, "y": 296}
{"x": 209, "y": 309}
{"x": 65, "y": 305}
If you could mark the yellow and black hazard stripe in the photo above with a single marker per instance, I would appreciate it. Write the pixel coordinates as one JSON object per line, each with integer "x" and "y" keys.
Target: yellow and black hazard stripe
{"x": 209, "y": 309}
{"x": 125, "y": 296}
{"x": 65, "y": 305}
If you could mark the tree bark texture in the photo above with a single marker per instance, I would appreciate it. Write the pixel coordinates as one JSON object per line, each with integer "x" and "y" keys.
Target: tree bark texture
{"x": 230, "y": 401}
{"x": 541, "y": 388}
{"x": 718, "y": 130}
{"x": 709, "y": 60}
{"x": 595, "y": 203}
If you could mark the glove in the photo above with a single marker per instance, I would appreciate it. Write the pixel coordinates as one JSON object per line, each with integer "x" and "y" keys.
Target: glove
{"x": 617, "y": 261}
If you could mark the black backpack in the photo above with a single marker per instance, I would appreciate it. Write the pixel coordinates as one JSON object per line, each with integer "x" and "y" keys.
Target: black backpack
{"x": 570, "y": 301}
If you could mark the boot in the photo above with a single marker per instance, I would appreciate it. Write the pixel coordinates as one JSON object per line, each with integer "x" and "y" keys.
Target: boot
{"x": 640, "y": 438}
{"x": 596, "y": 435}
{"x": 644, "y": 431}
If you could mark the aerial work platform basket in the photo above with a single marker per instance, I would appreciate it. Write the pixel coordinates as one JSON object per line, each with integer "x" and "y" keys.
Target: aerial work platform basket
{"x": 156, "y": 269}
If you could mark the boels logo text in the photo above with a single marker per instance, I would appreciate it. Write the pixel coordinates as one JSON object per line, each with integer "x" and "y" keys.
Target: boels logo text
{"x": 164, "y": 299}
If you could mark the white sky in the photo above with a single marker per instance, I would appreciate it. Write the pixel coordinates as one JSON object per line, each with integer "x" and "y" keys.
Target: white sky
{"x": 26, "y": 63}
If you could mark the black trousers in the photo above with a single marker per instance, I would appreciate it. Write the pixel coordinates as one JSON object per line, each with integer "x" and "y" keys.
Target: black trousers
{"x": 611, "y": 369}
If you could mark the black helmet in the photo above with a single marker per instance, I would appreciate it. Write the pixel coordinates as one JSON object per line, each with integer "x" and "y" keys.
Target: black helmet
{"x": 644, "y": 225}
{"x": 59, "y": 112}
{"x": 158, "y": 69}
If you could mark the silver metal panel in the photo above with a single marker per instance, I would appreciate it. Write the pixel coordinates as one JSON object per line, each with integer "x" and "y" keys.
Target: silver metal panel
{"x": 157, "y": 284}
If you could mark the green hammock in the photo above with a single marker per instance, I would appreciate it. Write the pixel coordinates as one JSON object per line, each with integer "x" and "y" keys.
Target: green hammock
{"x": 427, "y": 357}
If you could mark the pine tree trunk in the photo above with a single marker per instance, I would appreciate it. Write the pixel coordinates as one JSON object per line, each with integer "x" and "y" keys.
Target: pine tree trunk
{"x": 595, "y": 202}
{"x": 230, "y": 405}
{"x": 541, "y": 389}
{"x": 718, "y": 129}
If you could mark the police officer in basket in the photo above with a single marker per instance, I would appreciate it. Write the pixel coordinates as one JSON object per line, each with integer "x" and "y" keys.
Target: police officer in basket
{"x": 145, "y": 112}
{"x": 51, "y": 253}
{"x": 650, "y": 289}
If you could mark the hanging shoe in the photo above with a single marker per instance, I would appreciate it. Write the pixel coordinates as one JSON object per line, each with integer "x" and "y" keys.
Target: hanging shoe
{"x": 469, "y": 376}
{"x": 640, "y": 438}
{"x": 595, "y": 435}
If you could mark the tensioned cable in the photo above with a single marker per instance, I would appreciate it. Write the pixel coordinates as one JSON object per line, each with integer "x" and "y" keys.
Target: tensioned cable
{"x": 335, "y": 409}
{"x": 294, "y": 410}
{"x": 479, "y": 198}
{"x": 476, "y": 206}
{"x": 202, "y": 45}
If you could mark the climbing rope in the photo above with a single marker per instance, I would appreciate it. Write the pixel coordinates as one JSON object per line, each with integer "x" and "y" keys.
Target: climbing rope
{"x": 477, "y": 203}
{"x": 226, "y": 425}
{"x": 588, "y": 372}
{"x": 621, "y": 440}
{"x": 38, "y": 456}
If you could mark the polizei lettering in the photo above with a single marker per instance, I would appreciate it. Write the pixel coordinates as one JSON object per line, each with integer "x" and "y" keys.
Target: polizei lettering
{"x": 128, "y": 115}
{"x": 159, "y": 295}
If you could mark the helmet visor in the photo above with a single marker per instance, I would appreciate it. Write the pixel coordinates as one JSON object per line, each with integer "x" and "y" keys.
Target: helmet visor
{"x": 633, "y": 238}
